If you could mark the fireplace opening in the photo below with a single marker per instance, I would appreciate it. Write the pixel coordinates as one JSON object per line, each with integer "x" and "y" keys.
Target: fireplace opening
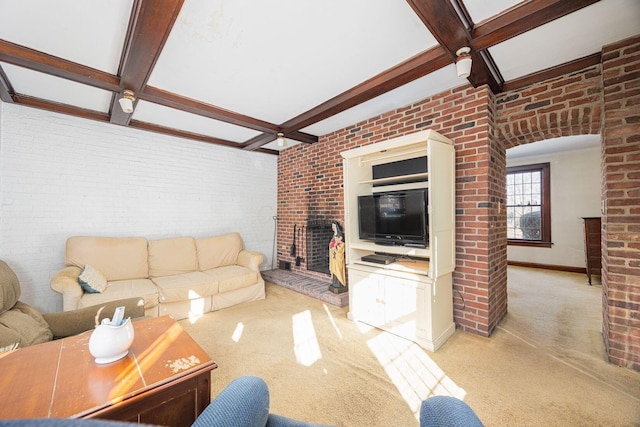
{"x": 319, "y": 234}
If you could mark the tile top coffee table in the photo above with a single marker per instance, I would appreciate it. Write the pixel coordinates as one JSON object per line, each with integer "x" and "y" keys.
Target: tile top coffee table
{"x": 165, "y": 379}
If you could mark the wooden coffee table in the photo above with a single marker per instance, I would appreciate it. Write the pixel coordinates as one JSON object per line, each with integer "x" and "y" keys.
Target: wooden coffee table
{"x": 165, "y": 379}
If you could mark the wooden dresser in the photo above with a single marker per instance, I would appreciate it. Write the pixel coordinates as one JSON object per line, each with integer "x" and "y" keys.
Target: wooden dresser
{"x": 592, "y": 248}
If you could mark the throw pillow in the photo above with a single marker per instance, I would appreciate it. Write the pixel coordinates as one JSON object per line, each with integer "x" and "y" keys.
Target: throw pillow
{"x": 92, "y": 280}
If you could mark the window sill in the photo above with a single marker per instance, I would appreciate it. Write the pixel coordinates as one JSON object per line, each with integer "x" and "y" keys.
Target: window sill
{"x": 531, "y": 243}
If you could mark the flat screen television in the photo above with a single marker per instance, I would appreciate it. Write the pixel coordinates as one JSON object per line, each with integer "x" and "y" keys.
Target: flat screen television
{"x": 394, "y": 218}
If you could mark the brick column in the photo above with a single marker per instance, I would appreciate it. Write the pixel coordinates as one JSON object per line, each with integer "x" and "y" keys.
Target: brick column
{"x": 480, "y": 278}
{"x": 621, "y": 206}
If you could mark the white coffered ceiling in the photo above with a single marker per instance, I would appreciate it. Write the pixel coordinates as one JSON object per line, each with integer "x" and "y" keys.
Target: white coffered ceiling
{"x": 237, "y": 71}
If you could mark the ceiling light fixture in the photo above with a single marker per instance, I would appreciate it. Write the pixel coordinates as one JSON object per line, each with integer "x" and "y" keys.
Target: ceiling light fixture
{"x": 463, "y": 63}
{"x": 126, "y": 101}
{"x": 281, "y": 141}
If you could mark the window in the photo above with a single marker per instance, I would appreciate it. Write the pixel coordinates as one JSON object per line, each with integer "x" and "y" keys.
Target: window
{"x": 528, "y": 205}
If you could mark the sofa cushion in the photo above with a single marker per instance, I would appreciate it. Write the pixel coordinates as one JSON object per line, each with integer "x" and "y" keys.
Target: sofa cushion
{"x": 233, "y": 277}
{"x": 24, "y": 326}
{"x": 186, "y": 286}
{"x": 117, "y": 258}
{"x": 9, "y": 287}
{"x": 121, "y": 289}
{"x": 92, "y": 280}
{"x": 172, "y": 256}
{"x": 219, "y": 251}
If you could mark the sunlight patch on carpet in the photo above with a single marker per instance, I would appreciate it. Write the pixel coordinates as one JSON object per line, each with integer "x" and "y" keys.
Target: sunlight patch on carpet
{"x": 333, "y": 321}
{"x": 414, "y": 373}
{"x": 196, "y": 306}
{"x": 305, "y": 342}
{"x": 237, "y": 333}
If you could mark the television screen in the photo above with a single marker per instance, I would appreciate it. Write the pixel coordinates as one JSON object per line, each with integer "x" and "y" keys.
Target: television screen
{"x": 395, "y": 218}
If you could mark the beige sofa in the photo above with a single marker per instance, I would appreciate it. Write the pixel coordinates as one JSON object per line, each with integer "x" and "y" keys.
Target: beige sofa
{"x": 182, "y": 276}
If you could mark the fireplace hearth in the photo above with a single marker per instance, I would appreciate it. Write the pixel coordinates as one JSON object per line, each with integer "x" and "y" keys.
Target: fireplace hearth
{"x": 315, "y": 287}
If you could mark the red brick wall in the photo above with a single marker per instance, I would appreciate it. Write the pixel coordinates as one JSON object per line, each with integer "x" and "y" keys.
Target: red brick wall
{"x": 621, "y": 193}
{"x": 482, "y": 126}
{"x": 310, "y": 183}
{"x": 563, "y": 106}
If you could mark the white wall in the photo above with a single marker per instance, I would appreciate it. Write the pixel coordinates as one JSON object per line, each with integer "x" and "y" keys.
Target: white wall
{"x": 575, "y": 193}
{"x": 62, "y": 176}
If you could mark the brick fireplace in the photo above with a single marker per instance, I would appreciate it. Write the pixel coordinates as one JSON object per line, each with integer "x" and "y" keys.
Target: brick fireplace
{"x": 318, "y": 236}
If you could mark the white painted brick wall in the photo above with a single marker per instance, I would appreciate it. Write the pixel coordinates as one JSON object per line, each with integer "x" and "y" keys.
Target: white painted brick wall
{"x": 62, "y": 176}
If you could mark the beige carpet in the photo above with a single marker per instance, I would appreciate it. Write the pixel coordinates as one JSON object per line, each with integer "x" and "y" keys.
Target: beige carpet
{"x": 544, "y": 365}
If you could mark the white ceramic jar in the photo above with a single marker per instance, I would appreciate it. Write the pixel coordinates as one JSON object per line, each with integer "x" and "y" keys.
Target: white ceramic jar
{"x": 109, "y": 343}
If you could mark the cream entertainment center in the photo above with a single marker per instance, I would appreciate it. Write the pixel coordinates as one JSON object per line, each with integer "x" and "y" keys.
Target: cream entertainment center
{"x": 400, "y": 236}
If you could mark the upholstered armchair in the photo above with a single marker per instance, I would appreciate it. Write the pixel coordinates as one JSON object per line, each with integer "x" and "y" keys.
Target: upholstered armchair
{"x": 22, "y": 325}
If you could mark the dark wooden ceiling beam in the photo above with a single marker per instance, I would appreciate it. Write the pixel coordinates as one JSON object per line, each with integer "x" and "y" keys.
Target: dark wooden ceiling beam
{"x": 150, "y": 24}
{"x": 549, "y": 73}
{"x": 301, "y": 136}
{"x": 418, "y": 66}
{"x": 415, "y": 67}
{"x": 258, "y": 141}
{"x": 521, "y": 18}
{"x": 443, "y": 22}
{"x": 57, "y": 107}
{"x": 265, "y": 138}
{"x": 180, "y": 133}
{"x": 43, "y": 63}
{"x": 172, "y": 100}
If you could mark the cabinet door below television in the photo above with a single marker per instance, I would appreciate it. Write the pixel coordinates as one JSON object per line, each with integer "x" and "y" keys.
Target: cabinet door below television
{"x": 368, "y": 290}
{"x": 386, "y": 301}
{"x": 401, "y": 300}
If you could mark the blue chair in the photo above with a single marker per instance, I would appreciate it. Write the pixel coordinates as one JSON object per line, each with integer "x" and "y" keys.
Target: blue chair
{"x": 447, "y": 411}
{"x": 244, "y": 403}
